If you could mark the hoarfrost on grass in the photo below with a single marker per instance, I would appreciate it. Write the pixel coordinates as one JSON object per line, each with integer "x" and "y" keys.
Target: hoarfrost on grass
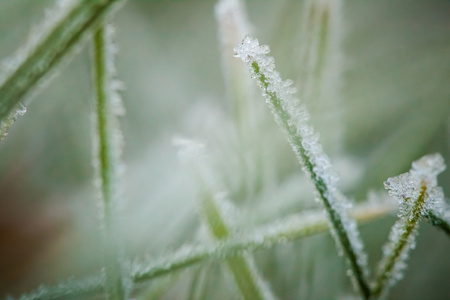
{"x": 292, "y": 116}
{"x": 406, "y": 187}
{"x": 418, "y": 194}
{"x": 49, "y": 44}
{"x": 53, "y": 17}
{"x": 107, "y": 144}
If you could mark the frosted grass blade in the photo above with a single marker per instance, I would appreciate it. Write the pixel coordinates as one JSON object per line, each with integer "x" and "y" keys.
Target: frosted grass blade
{"x": 320, "y": 67}
{"x": 289, "y": 229}
{"x": 292, "y": 117}
{"x": 233, "y": 25}
{"x": 417, "y": 193}
{"x": 62, "y": 30}
{"x": 107, "y": 157}
{"x": 217, "y": 213}
{"x": 70, "y": 289}
{"x": 264, "y": 237}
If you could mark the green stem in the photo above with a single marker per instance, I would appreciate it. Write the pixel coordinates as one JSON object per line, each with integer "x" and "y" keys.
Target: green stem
{"x": 400, "y": 245}
{"x": 81, "y": 289}
{"x": 321, "y": 53}
{"x": 245, "y": 276}
{"x": 321, "y": 187}
{"x": 264, "y": 237}
{"x": 108, "y": 164}
{"x": 303, "y": 225}
{"x": 56, "y": 43}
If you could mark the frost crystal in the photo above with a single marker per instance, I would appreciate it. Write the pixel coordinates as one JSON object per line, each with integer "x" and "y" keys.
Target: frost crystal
{"x": 418, "y": 194}
{"x": 292, "y": 116}
{"x": 406, "y": 188}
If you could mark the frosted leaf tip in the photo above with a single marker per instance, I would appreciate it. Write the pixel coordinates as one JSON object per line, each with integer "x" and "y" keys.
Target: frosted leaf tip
{"x": 249, "y": 48}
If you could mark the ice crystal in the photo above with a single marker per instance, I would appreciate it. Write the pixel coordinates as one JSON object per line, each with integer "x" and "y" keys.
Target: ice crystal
{"x": 406, "y": 188}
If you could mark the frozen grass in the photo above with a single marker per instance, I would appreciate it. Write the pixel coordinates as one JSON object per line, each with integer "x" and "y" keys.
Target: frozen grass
{"x": 417, "y": 192}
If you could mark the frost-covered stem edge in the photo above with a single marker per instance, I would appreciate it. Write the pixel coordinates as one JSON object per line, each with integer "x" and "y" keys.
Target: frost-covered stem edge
{"x": 394, "y": 257}
{"x": 38, "y": 58}
{"x": 107, "y": 167}
{"x": 10, "y": 120}
{"x": 321, "y": 187}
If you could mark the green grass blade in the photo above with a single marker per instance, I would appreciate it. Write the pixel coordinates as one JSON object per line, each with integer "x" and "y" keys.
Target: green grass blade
{"x": 107, "y": 148}
{"x": 55, "y": 39}
{"x": 264, "y": 237}
{"x": 293, "y": 118}
{"x": 417, "y": 193}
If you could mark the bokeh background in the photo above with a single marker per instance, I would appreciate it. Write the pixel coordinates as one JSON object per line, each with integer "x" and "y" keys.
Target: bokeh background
{"x": 394, "y": 104}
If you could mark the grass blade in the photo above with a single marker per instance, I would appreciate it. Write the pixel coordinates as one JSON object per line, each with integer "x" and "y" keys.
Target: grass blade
{"x": 55, "y": 39}
{"x": 264, "y": 237}
{"x": 417, "y": 193}
{"x": 107, "y": 151}
{"x": 293, "y": 118}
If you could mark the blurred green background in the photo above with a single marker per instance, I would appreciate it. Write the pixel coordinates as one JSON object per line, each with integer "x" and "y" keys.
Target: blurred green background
{"x": 394, "y": 100}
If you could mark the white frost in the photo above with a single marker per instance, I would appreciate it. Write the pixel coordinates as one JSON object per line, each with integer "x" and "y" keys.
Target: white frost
{"x": 407, "y": 187}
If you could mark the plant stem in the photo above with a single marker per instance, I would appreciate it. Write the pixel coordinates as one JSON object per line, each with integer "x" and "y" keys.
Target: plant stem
{"x": 290, "y": 229}
{"x": 320, "y": 68}
{"x": 80, "y": 289}
{"x": 322, "y": 187}
{"x": 264, "y": 237}
{"x": 246, "y": 277}
{"x": 108, "y": 156}
{"x": 232, "y": 23}
{"x": 409, "y": 225}
{"x": 48, "y": 46}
